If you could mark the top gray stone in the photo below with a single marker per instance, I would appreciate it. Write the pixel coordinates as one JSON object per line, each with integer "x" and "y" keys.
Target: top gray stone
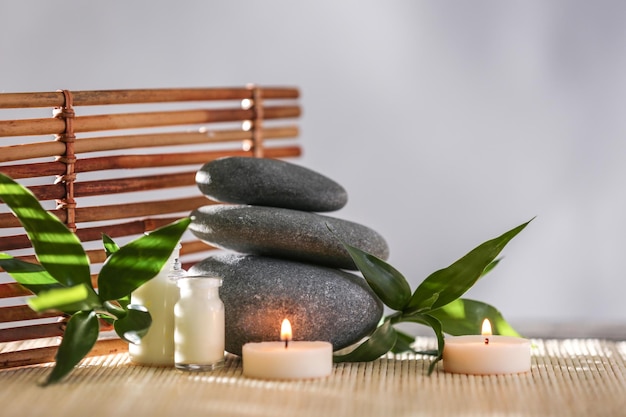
{"x": 269, "y": 182}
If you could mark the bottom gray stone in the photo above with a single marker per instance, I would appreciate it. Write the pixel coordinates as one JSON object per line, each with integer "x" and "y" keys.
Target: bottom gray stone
{"x": 321, "y": 303}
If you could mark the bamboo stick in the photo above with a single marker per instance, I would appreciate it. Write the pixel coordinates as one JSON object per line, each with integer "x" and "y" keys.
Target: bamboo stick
{"x": 23, "y": 312}
{"x": 125, "y": 229}
{"x": 27, "y": 357}
{"x": 34, "y": 170}
{"x": 106, "y": 143}
{"x": 14, "y": 242}
{"x": 53, "y": 125}
{"x": 43, "y": 169}
{"x": 34, "y": 356}
{"x": 131, "y": 184}
{"x": 149, "y": 208}
{"x": 95, "y": 256}
{"x": 105, "y": 97}
{"x": 115, "y": 212}
{"x": 173, "y": 159}
{"x": 13, "y": 289}
{"x": 113, "y": 186}
{"x": 94, "y": 233}
{"x": 9, "y": 220}
{"x": 48, "y": 192}
{"x": 98, "y": 256}
{"x": 31, "y": 332}
{"x": 195, "y": 246}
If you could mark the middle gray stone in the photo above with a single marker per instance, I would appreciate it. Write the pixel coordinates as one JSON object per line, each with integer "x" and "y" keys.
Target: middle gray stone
{"x": 284, "y": 233}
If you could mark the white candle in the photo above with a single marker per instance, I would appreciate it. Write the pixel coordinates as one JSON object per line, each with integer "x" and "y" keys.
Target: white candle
{"x": 199, "y": 325}
{"x": 486, "y": 354}
{"x": 159, "y": 295}
{"x": 287, "y": 359}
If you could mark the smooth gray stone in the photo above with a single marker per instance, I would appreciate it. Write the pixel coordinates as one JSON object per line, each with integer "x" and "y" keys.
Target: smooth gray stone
{"x": 284, "y": 233}
{"x": 321, "y": 303}
{"x": 269, "y": 182}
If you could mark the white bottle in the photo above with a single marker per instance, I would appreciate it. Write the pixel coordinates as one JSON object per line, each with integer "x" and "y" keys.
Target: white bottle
{"x": 159, "y": 295}
{"x": 199, "y": 324}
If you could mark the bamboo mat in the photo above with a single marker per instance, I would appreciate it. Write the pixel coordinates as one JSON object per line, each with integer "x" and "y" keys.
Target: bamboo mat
{"x": 575, "y": 377}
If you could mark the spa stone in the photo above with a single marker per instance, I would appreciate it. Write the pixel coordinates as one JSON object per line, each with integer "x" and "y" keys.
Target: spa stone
{"x": 284, "y": 233}
{"x": 269, "y": 182}
{"x": 321, "y": 303}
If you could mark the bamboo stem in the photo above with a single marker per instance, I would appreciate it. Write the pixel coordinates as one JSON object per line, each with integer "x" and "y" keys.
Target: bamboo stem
{"x": 95, "y": 256}
{"x": 105, "y": 97}
{"x": 13, "y": 289}
{"x": 195, "y": 246}
{"x": 113, "y": 186}
{"x": 132, "y": 184}
{"x": 23, "y": 312}
{"x": 31, "y": 332}
{"x": 27, "y": 357}
{"x": 107, "y": 143}
{"x": 53, "y": 125}
{"x": 43, "y": 169}
{"x": 93, "y": 233}
{"x": 149, "y": 208}
{"x": 34, "y": 356}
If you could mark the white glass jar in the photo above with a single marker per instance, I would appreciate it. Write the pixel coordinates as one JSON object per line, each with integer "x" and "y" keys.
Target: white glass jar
{"x": 159, "y": 295}
{"x": 199, "y": 324}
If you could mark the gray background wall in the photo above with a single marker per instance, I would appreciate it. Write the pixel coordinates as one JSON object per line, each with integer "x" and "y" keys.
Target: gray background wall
{"x": 448, "y": 122}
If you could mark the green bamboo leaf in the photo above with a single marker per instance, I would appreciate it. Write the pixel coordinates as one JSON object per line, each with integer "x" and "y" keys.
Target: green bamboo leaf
{"x": 450, "y": 283}
{"x": 434, "y": 324}
{"x": 114, "y": 310}
{"x": 70, "y": 299}
{"x": 403, "y": 343}
{"x": 490, "y": 267}
{"x": 32, "y": 276}
{"x": 57, "y": 248}
{"x": 134, "y": 325}
{"x": 79, "y": 337}
{"x": 380, "y": 342}
{"x": 386, "y": 282}
{"x": 437, "y": 328}
{"x": 110, "y": 247}
{"x": 464, "y": 316}
{"x": 428, "y": 352}
{"x": 124, "y": 301}
{"x": 139, "y": 261}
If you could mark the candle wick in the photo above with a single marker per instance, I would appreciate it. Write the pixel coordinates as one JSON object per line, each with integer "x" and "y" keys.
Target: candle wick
{"x": 486, "y": 340}
{"x": 286, "y": 343}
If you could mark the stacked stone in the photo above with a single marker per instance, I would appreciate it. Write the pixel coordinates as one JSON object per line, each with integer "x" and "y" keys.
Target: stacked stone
{"x": 281, "y": 258}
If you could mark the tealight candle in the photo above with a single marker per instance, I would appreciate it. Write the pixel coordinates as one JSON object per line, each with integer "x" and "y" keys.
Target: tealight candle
{"x": 287, "y": 359}
{"x": 486, "y": 354}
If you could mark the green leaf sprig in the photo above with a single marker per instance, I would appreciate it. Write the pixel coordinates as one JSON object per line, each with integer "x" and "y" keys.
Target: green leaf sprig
{"x": 62, "y": 280}
{"x": 435, "y": 303}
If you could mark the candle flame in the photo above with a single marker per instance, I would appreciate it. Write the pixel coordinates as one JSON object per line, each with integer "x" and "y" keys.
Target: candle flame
{"x": 486, "y": 330}
{"x": 285, "y": 330}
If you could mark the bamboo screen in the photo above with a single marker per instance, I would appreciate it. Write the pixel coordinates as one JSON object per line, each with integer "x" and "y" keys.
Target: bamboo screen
{"x": 122, "y": 163}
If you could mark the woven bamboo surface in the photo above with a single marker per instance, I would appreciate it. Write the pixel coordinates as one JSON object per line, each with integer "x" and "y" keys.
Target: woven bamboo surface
{"x": 572, "y": 377}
